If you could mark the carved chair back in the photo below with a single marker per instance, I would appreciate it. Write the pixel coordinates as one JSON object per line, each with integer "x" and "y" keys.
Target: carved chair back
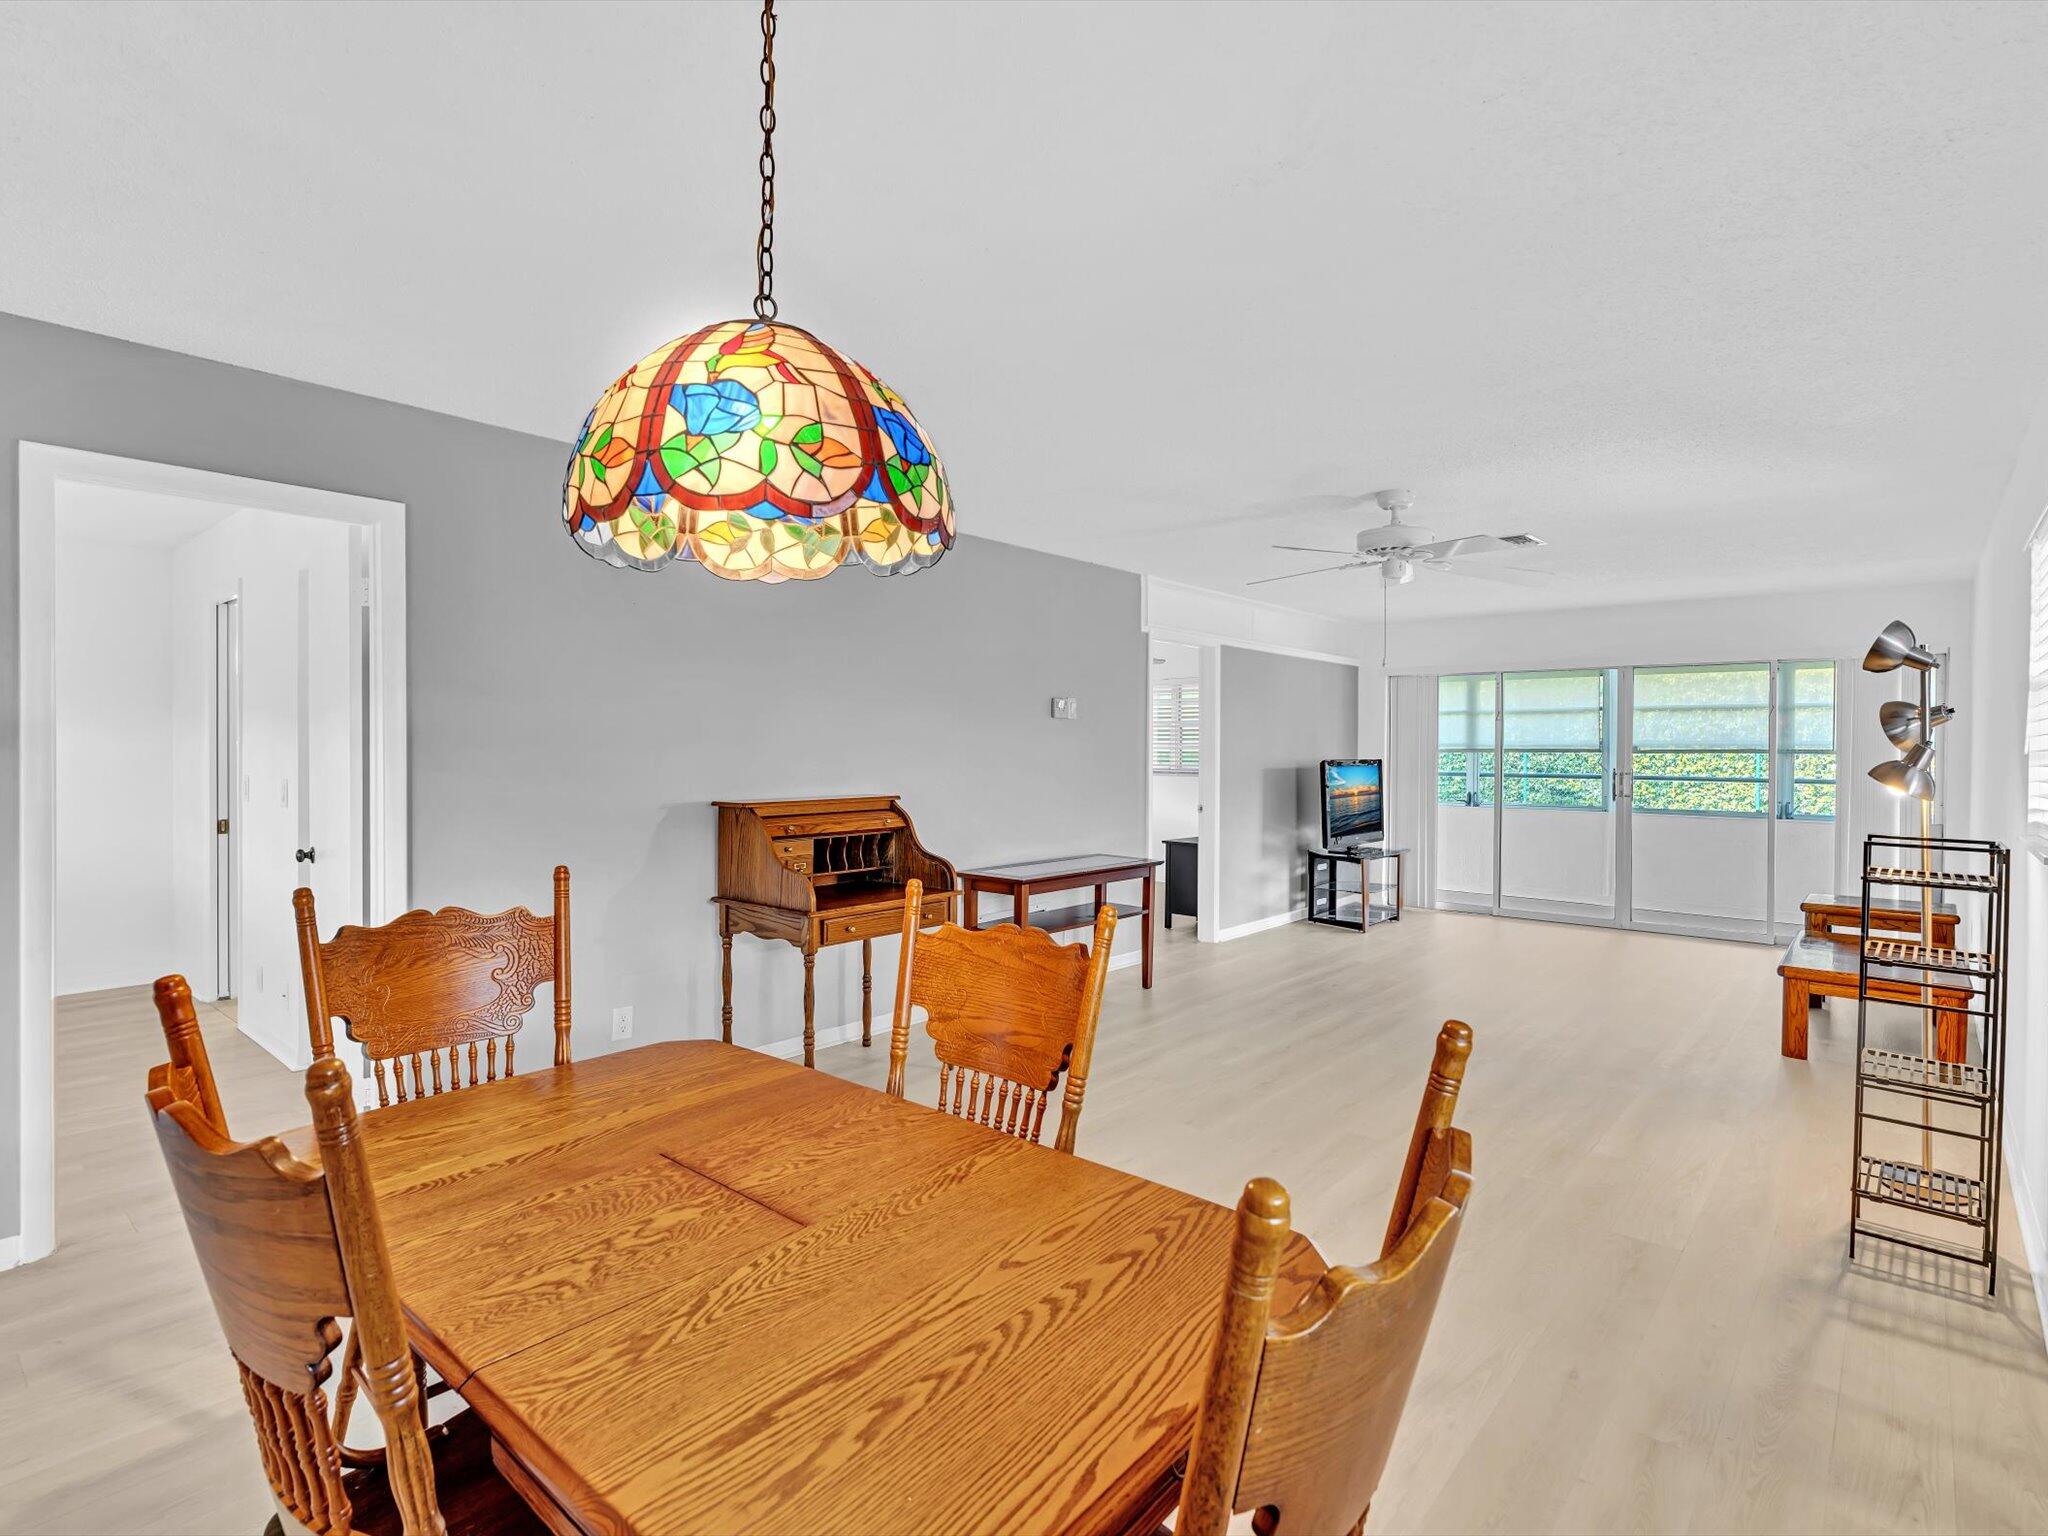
{"x": 287, "y": 1248}
{"x": 1300, "y": 1411}
{"x": 434, "y": 990}
{"x": 1009, "y": 1010}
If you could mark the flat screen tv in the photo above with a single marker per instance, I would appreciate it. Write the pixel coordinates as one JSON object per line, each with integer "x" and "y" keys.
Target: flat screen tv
{"x": 1351, "y": 802}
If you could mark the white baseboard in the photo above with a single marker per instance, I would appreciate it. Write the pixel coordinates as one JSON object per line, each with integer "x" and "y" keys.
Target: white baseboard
{"x": 2032, "y": 1235}
{"x": 10, "y": 1252}
{"x": 1278, "y": 920}
{"x": 1126, "y": 960}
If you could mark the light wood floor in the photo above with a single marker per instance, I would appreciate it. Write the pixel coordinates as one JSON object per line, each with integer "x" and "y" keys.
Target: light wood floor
{"x": 1650, "y": 1323}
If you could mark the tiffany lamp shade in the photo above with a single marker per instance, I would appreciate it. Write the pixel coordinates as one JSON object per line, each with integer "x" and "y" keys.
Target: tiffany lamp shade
{"x": 762, "y": 454}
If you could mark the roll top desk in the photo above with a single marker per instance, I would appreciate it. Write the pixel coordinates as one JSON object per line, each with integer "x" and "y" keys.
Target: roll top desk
{"x": 814, "y": 873}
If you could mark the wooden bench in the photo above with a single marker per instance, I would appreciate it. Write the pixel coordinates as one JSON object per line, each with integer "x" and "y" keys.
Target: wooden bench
{"x": 1838, "y": 917}
{"x": 1816, "y": 968}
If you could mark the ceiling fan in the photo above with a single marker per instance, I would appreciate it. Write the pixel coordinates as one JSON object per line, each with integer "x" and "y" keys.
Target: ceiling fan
{"x": 1400, "y": 549}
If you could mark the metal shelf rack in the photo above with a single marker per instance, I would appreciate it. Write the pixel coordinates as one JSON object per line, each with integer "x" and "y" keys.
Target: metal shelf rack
{"x": 1961, "y": 1119}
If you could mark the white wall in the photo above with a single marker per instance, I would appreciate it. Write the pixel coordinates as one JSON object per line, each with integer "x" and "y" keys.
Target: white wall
{"x": 257, "y": 557}
{"x": 114, "y": 901}
{"x": 1995, "y": 707}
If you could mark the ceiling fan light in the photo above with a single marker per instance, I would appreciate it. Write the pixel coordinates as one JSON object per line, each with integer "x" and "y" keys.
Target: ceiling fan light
{"x": 1897, "y": 647}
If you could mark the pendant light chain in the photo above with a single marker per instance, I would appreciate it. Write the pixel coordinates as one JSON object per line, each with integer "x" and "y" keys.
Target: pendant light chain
{"x": 764, "y": 246}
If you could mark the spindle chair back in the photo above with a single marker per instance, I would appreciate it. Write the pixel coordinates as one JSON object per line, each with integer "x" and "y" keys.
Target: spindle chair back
{"x": 1300, "y": 1411}
{"x": 1009, "y": 1010}
{"x": 436, "y": 992}
{"x": 287, "y": 1248}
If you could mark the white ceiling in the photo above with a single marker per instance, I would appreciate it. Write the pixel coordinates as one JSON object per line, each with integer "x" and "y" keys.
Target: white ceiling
{"x": 1712, "y": 298}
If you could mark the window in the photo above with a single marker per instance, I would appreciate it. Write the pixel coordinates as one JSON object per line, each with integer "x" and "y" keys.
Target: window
{"x": 1176, "y": 728}
{"x": 1702, "y": 740}
{"x": 2037, "y": 693}
{"x": 1464, "y": 740}
{"x": 1806, "y": 740}
{"x": 1554, "y": 740}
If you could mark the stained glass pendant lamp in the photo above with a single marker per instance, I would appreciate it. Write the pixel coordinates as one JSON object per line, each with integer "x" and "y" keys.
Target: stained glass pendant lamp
{"x": 754, "y": 449}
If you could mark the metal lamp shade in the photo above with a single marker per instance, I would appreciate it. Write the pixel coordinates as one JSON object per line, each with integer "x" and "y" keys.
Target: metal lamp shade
{"x": 1912, "y": 775}
{"x": 1897, "y": 647}
{"x": 1900, "y": 722}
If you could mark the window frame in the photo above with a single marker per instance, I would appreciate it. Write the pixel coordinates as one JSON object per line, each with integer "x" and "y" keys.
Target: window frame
{"x": 2034, "y": 720}
{"x": 1185, "y": 730}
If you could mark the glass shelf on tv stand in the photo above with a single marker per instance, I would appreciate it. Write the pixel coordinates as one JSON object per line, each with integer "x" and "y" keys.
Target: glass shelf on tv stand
{"x": 1365, "y": 905}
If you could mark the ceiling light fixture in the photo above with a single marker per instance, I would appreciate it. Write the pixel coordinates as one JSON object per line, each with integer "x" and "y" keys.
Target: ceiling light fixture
{"x": 753, "y": 448}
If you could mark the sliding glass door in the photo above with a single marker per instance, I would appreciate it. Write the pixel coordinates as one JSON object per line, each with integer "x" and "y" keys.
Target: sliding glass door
{"x": 1698, "y": 798}
{"x": 1467, "y": 731}
{"x": 1557, "y": 816}
{"x": 1689, "y": 799}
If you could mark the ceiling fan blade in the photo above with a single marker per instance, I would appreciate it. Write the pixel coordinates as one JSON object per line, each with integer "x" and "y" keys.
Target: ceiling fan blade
{"x": 1316, "y": 549}
{"x": 1512, "y": 575}
{"x": 1349, "y": 565}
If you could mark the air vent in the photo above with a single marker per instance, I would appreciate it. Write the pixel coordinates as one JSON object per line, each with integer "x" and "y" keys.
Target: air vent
{"x": 1524, "y": 540}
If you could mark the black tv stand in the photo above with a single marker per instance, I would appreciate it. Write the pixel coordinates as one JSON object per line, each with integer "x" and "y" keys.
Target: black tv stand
{"x": 1356, "y": 907}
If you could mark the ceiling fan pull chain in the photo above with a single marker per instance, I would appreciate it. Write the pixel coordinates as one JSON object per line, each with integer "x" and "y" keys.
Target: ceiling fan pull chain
{"x": 764, "y": 245}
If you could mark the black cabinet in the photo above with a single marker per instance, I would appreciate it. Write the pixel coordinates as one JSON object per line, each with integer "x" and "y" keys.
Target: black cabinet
{"x": 1180, "y": 876}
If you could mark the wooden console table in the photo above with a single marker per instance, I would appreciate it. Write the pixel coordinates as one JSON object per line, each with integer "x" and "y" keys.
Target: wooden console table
{"x": 814, "y": 873}
{"x": 1020, "y": 882}
{"x": 1837, "y": 917}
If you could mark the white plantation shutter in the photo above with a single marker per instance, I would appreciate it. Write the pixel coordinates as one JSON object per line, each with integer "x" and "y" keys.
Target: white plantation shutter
{"x": 1176, "y": 728}
{"x": 2037, "y": 694}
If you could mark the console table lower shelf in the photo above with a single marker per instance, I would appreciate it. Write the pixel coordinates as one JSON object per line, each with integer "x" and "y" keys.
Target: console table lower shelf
{"x": 1370, "y": 902}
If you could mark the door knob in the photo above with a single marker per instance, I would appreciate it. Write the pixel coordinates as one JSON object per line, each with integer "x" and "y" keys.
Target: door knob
{"x": 303, "y": 855}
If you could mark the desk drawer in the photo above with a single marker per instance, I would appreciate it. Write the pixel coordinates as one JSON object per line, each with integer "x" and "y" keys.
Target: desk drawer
{"x": 875, "y": 925}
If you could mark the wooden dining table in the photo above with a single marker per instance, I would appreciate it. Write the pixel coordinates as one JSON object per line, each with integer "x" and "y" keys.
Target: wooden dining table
{"x": 691, "y": 1288}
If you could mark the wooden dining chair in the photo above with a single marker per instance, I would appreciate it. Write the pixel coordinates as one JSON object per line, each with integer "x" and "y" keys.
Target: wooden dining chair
{"x": 287, "y": 1248}
{"x": 1300, "y": 1411}
{"x": 1009, "y": 1011}
{"x": 428, "y": 988}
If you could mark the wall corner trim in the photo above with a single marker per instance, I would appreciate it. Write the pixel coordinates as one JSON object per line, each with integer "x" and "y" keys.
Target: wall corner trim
{"x": 2033, "y": 1236}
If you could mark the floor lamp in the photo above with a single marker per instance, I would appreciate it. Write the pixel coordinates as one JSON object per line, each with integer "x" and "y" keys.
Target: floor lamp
{"x": 1910, "y": 727}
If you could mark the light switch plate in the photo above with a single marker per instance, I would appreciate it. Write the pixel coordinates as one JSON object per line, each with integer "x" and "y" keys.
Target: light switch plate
{"x": 1066, "y": 709}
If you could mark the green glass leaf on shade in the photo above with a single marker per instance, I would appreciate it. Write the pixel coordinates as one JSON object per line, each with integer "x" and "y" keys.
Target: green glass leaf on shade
{"x": 709, "y": 470}
{"x": 810, "y": 435}
{"x": 767, "y": 457}
{"x": 897, "y": 479}
{"x": 809, "y": 463}
{"x": 603, "y": 441}
{"x": 655, "y": 527}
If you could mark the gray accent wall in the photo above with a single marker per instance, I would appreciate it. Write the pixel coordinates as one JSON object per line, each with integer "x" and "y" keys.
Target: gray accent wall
{"x": 1279, "y": 717}
{"x": 562, "y": 711}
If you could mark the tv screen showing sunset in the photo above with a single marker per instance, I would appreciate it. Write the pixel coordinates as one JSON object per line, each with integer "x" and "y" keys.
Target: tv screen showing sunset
{"x": 1351, "y": 799}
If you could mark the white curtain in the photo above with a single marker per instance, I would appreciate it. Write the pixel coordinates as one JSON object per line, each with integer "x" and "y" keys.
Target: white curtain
{"x": 1411, "y": 783}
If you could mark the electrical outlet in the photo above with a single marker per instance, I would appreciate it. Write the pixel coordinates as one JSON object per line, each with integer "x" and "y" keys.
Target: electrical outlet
{"x": 1066, "y": 709}
{"x": 622, "y": 1023}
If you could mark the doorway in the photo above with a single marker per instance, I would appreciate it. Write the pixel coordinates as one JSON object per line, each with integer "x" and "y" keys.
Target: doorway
{"x": 1695, "y": 799}
{"x": 207, "y": 933}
